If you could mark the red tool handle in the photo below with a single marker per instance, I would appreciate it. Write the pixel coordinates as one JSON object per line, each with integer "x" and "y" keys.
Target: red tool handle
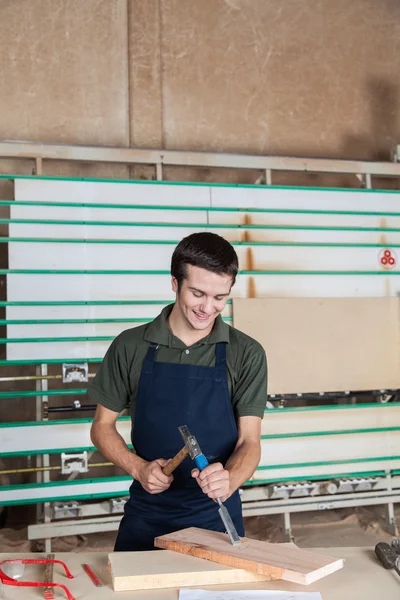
{"x": 92, "y": 576}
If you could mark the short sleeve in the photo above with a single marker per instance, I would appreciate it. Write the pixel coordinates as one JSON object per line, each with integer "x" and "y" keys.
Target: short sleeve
{"x": 110, "y": 386}
{"x": 249, "y": 396}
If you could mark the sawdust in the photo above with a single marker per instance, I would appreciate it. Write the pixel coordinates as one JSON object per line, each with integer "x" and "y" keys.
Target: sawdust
{"x": 336, "y": 528}
{"x": 265, "y": 528}
{"x": 368, "y": 520}
{"x": 14, "y": 540}
{"x": 70, "y": 543}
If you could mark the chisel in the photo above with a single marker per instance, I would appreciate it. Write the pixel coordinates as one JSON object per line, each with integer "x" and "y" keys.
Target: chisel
{"x": 201, "y": 463}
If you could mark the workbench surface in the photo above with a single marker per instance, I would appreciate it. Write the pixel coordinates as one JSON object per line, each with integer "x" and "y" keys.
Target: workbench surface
{"x": 362, "y": 578}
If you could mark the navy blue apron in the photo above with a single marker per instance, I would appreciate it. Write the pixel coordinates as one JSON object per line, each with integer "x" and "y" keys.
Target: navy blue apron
{"x": 170, "y": 395}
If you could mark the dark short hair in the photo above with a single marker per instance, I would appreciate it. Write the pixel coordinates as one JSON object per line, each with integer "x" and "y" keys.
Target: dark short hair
{"x": 206, "y": 250}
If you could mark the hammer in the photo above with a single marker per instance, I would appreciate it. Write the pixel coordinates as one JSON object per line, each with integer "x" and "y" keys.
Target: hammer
{"x": 191, "y": 447}
{"x": 176, "y": 461}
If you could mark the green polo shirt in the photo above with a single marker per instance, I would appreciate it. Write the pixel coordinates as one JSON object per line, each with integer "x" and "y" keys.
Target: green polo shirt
{"x": 115, "y": 385}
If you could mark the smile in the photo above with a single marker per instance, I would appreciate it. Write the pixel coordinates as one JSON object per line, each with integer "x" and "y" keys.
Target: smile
{"x": 202, "y": 317}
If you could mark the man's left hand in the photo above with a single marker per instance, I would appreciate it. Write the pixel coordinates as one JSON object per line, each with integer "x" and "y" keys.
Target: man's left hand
{"x": 214, "y": 481}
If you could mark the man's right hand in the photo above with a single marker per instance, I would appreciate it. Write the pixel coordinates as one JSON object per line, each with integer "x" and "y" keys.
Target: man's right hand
{"x": 106, "y": 438}
{"x": 152, "y": 478}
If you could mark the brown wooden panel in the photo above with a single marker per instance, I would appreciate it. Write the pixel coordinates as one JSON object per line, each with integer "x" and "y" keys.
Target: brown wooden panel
{"x": 325, "y": 344}
{"x": 277, "y": 561}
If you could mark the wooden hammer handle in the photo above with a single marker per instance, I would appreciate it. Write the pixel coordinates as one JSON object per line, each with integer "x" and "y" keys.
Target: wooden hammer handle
{"x": 176, "y": 461}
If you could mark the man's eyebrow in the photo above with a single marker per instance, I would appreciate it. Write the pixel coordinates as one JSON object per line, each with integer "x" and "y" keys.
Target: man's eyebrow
{"x": 194, "y": 289}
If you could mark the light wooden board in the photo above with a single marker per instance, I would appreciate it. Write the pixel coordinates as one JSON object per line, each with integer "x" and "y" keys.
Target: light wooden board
{"x": 277, "y": 561}
{"x": 325, "y": 344}
{"x": 155, "y": 570}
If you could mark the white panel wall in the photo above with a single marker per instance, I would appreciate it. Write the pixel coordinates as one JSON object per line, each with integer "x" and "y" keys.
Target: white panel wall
{"x": 86, "y": 256}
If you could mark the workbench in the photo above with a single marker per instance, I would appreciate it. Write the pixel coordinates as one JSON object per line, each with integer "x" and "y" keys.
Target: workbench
{"x": 362, "y": 578}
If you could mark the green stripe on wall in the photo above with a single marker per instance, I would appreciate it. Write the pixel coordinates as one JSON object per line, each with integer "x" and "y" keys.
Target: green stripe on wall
{"x": 164, "y": 272}
{"x": 200, "y": 208}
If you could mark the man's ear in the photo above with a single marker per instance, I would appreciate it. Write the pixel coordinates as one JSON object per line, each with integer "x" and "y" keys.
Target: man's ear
{"x": 174, "y": 283}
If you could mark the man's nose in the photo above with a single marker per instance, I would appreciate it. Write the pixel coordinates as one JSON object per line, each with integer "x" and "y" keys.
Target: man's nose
{"x": 207, "y": 305}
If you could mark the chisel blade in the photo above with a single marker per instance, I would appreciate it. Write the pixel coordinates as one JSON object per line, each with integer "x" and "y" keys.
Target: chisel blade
{"x": 229, "y": 526}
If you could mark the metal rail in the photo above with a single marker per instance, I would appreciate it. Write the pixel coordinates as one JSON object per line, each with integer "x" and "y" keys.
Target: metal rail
{"x": 38, "y": 150}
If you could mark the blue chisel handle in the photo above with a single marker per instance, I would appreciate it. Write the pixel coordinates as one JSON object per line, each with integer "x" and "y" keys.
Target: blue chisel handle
{"x": 201, "y": 462}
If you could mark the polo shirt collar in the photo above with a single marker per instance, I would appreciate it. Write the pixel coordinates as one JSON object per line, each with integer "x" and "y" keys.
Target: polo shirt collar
{"x": 158, "y": 332}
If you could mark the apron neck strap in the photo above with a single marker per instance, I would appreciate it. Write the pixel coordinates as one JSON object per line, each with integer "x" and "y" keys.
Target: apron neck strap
{"x": 151, "y": 353}
{"x": 220, "y": 355}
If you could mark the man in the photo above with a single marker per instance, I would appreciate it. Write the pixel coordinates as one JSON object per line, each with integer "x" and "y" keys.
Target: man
{"x": 187, "y": 367}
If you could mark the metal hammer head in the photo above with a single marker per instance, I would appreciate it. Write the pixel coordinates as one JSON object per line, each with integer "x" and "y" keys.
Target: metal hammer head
{"x": 190, "y": 442}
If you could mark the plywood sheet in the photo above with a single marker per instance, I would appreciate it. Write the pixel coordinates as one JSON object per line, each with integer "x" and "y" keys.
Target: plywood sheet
{"x": 155, "y": 570}
{"x": 277, "y": 561}
{"x": 262, "y": 57}
{"x": 66, "y": 59}
{"x": 325, "y": 344}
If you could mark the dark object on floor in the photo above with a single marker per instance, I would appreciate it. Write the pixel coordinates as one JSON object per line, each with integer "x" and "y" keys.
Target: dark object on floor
{"x": 387, "y": 556}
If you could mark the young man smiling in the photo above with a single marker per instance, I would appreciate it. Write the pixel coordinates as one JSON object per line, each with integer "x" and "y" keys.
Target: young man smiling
{"x": 187, "y": 367}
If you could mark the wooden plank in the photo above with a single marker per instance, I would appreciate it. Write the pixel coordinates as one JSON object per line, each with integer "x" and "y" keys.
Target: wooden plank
{"x": 155, "y": 570}
{"x": 325, "y": 344}
{"x": 277, "y": 561}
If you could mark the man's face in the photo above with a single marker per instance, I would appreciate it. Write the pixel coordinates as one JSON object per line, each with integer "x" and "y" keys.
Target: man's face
{"x": 202, "y": 297}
